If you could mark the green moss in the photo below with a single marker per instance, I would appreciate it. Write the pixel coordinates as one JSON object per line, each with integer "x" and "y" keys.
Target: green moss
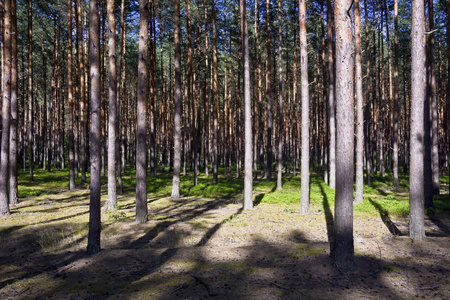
{"x": 391, "y": 269}
{"x": 303, "y": 250}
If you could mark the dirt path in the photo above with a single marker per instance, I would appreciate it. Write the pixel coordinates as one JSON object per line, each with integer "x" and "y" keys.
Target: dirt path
{"x": 200, "y": 248}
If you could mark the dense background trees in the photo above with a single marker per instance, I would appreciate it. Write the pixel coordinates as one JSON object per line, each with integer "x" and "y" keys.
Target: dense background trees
{"x": 177, "y": 104}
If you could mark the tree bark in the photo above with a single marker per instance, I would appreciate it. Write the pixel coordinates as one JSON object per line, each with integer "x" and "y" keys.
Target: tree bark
{"x": 331, "y": 99}
{"x": 280, "y": 102}
{"x": 93, "y": 245}
{"x": 304, "y": 190}
{"x": 70, "y": 97}
{"x": 30, "y": 89}
{"x": 112, "y": 117}
{"x": 359, "y": 107}
{"x": 177, "y": 106}
{"x": 6, "y": 109}
{"x": 268, "y": 95}
{"x": 248, "y": 161}
{"x": 368, "y": 102}
{"x": 215, "y": 95}
{"x": 395, "y": 112}
{"x": 13, "y": 159}
{"x": 141, "y": 158}
{"x": 418, "y": 77}
{"x": 343, "y": 252}
{"x": 434, "y": 134}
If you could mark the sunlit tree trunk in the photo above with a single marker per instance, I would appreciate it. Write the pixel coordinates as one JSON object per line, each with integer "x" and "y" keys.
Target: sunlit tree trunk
{"x": 395, "y": 108}
{"x": 304, "y": 190}
{"x": 112, "y": 116}
{"x": 177, "y": 106}
{"x": 418, "y": 77}
{"x": 280, "y": 101}
{"x": 359, "y": 106}
{"x": 248, "y": 160}
{"x": 331, "y": 99}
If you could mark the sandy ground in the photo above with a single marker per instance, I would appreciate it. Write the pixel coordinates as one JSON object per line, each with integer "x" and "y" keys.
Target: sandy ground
{"x": 210, "y": 248}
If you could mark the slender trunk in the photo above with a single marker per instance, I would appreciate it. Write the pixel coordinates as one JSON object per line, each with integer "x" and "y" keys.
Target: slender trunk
{"x": 395, "y": 125}
{"x": 248, "y": 178}
{"x": 6, "y": 109}
{"x": 325, "y": 95}
{"x": 331, "y": 99}
{"x": 367, "y": 102}
{"x": 30, "y": 89}
{"x": 112, "y": 117}
{"x": 141, "y": 158}
{"x": 93, "y": 245}
{"x": 304, "y": 197}
{"x": 70, "y": 98}
{"x": 177, "y": 106}
{"x": 280, "y": 100}
{"x": 215, "y": 95}
{"x": 13, "y": 188}
{"x": 268, "y": 95}
{"x": 82, "y": 100}
{"x": 433, "y": 105}
{"x": 359, "y": 106}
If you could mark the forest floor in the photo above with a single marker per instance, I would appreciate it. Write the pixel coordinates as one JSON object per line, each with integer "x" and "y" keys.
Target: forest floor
{"x": 200, "y": 247}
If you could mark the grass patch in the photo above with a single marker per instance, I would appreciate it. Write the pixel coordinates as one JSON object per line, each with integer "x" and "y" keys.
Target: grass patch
{"x": 303, "y": 250}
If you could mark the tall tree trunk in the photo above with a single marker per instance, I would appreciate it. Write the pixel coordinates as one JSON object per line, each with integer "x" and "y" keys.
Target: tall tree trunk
{"x": 215, "y": 95}
{"x": 177, "y": 106}
{"x": 448, "y": 86}
{"x": 93, "y": 245}
{"x": 70, "y": 97}
{"x": 434, "y": 122}
{"x": 343, "y": 253}
{"x": 248, "y": 161}
{"x": 280, "y": 100}
{"x": 331, "y": 99}
{"x": 112, "y": 116}
{"x": 418, "y": 77}
{"x": 6, "y": 109}
{"x": 359, "y": 107}
{"x": 268, "y": 95}
{"x": 395, "y": 112}
{"x": 367, "y": 106}
{"x": 30, "y": 89}
{"x": 304, "y": 190}
{"x": 13, "y": 188}
{"x": 325, "y": 95}
{"x": 120, "y": 123}
{"x": 141, "y": 157}
{"x": 82, "y": 99}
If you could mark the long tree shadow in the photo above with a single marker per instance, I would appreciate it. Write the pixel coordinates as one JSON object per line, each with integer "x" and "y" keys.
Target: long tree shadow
{"x": 441, "y": 225}
{"x": 384, "y": 214}
{"x": 328, "y": 217}
{"x": 183, "y": 216}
